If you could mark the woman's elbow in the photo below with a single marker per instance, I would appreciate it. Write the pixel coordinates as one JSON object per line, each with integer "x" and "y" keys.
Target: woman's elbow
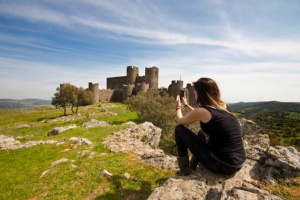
{"x": 179, "y": 121}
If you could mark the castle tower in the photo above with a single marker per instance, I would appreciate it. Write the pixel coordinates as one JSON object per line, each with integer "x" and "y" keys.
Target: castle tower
{"x": 127, "y": 91}
{"x": 191, "y": 95}
{"x": 151, "y": 77}
{"x": 132, "y": 74}
{"x": 94, "y": 88}
{"x": 174, "y": 88}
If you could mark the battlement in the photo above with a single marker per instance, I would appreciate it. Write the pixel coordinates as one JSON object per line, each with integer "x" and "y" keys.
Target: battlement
{"x": 177, "y": 82}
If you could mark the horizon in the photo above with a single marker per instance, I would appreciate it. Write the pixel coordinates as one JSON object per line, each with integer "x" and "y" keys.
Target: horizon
{"x": 226, "y": 102}
{"x": 250, "y": 48}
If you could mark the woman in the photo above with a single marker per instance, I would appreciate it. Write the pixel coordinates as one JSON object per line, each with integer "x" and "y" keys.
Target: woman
{"x": 224, "y": 151}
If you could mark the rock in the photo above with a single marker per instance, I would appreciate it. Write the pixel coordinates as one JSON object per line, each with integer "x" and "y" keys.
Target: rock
{"x": 44, "y": 173}
{"x": 94, "y": 123}
{"x": 105, "y": 173}
{"x": 58, "y": 130}
{"x": 33, "y": 143}
{"x": 130, "y": 123}
{"x": 153, "y": 134}
{"x": 59, "y": 161}
{"x": 81, "y": 141}
{"x": 23, "y": 126}
{"x": 126, "y": 175}
{"x": 255, "y": 141}
{"x": 7, "y": 142}
{"x": 204, "y": 184}
{"x": 282, "y": 162}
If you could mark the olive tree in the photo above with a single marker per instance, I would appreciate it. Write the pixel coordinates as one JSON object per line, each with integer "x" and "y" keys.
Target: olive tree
{"x": 68, "y": 95}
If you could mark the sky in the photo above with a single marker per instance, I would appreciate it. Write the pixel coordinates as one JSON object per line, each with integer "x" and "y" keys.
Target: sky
{"x": 251, "y": 48}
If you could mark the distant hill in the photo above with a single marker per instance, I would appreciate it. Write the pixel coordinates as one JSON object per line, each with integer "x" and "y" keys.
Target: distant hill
{"x": 267, "y": 105}
{"x": 24, "y": 103}
{"x": 281, "y": 120}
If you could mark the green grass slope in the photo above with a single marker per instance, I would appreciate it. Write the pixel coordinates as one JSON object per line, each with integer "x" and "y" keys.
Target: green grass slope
{"x": 78, "y": 178}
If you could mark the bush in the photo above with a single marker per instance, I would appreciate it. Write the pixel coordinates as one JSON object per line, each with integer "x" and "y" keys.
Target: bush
{"x": 156, "y": 107}
{"x": 159, "y": 108}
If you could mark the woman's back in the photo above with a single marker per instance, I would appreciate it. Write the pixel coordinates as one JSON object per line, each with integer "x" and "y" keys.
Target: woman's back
{"x": 225, "y": 137}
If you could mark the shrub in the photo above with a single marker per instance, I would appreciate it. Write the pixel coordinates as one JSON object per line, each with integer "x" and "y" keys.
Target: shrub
{"x": 159, "y": 108}
{"x": 156, "y": 107}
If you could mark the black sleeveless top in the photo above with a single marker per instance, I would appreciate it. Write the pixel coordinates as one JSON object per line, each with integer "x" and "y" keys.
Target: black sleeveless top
{"x": 225, "y": 137}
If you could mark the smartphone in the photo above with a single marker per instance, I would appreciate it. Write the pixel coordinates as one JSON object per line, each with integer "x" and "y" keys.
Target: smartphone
{"x": 181, "y": 94}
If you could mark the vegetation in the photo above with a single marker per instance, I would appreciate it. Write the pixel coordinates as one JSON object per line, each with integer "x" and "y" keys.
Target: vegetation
{"x": 68, "y": 95}
{"x": 157, "y": 107}
{"x": 281, "y": 121}
{"x": 21, "y": 169}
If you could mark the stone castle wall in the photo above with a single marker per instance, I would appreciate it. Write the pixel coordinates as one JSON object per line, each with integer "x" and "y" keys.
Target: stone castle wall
{"x": 119, "y": 89}
{"x": 116, "y": 82}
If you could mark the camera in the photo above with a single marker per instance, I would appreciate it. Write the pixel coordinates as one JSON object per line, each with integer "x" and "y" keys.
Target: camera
{"x": 181, "y": 94}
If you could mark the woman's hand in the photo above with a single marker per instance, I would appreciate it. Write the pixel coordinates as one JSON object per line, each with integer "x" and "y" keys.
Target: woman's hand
{"x": 184, "y": 101}
{"x": 178, "y": 102}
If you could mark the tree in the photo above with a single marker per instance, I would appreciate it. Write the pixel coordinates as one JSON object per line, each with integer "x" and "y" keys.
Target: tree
{"x": 65, "y": 96}
{"x": 83, "y": 98}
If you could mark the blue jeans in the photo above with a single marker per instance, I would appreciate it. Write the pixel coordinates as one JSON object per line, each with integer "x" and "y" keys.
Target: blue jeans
{"x": 186, "y": 139}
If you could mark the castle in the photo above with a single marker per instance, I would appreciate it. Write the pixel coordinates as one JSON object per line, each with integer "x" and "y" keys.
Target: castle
{"x": 119, "y": 89}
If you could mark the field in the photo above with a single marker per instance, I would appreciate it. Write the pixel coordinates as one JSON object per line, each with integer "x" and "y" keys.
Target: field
{"x": 22, "y": 169}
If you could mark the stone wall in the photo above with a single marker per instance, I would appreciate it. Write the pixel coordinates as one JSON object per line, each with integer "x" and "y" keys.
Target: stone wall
{"x": 116, "y": 82}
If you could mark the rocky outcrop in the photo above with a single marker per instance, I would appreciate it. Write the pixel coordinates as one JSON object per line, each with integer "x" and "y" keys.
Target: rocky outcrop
{"x": 58, "y": 130}
{"x": 142, "y": 140}
{"x": 94, "y": 123}
{"x": 264, "y": 163}
{"x": 7, "y": 143}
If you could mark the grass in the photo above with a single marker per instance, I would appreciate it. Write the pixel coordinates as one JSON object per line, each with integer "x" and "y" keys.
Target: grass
{"x": 78, "y": 178}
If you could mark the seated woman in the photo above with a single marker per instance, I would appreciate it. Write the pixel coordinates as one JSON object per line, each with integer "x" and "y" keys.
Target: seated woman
{"x": 224, "y": 151}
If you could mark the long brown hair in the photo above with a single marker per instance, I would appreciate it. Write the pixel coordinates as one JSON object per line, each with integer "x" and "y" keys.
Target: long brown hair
{"x": 209, "y": 94}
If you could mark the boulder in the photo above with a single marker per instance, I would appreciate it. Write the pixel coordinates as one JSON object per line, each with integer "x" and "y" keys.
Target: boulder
{"x": 153, "y": 134}
{"x": 59, "y": 130}
{"x": 94, "y": 123}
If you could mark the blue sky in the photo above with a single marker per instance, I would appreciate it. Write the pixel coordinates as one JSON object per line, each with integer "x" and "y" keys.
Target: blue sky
{"x": 251, "y": 48}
